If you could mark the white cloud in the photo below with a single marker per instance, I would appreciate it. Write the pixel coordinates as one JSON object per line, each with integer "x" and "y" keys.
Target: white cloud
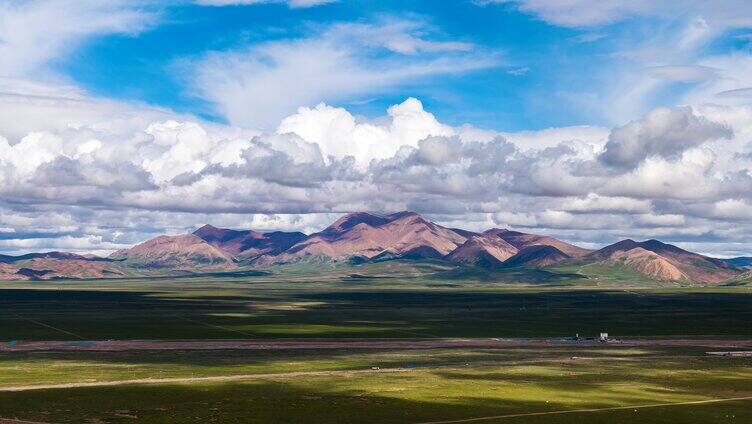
{"x": 663, "y": 132}
{"x": 588, "y": 13}
{"x": 668, "y": 220}
{"x": 36, "y": 32}
{"x": 258, "y": 85}
{"x": 339, "y": 134}
{"x": 667, "y": 55}
{"x": 293, "y": 4}
{"x": 735, "y": 78}
{"x": 736, "y": 209}
{"x": 595, "y": 203}
{"x": 690, "y": 177}
{"x": 519, "y": 71}
{"x": 683, "y": 73}
{"x": 552, "y": 137}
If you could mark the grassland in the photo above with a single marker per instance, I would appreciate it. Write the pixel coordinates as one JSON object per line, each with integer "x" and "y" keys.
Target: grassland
{"x": 438, "y": 388}
{"x": 386, "y": 301}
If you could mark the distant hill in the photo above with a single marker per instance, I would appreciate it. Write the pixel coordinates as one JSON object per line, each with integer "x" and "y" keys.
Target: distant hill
{"x": 48, "y": 255}
{"x": 180, "y": 252}
{"x": 663, "y": 261}
{"x": 537, "y": 256}
{"x": 741, "y": 262}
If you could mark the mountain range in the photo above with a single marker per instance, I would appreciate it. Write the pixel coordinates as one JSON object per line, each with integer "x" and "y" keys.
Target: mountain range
{"x": 366, "y": 237}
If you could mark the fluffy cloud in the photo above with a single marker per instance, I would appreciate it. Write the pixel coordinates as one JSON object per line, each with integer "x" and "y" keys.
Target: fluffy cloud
{"x": 339, "y": 133}
{"x": 663, "y": 132}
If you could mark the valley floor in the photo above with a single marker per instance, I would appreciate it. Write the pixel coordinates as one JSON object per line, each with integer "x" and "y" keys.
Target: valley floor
{"x": 231, "y": 350}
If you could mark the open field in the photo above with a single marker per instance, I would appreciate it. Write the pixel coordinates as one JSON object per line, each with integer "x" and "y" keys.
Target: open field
{"x": 299, "y": 348}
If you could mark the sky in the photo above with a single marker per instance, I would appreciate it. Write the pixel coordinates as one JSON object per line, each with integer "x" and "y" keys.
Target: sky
{"x": 588, "y": 120}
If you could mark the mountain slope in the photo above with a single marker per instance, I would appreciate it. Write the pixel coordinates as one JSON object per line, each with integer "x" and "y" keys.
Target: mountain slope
{"x": 9, "y": 273}
{"x": 537, "y": 256}
{"x": 483, "y": 250}
{"x": 180, "y": 252}
{"x": 523, "y": 240}
{"x": 663, "y": 261}
{"x": 649, "y": 263}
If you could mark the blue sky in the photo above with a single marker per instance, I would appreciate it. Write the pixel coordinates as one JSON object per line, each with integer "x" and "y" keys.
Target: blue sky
{"x": 540, "y": 66}
{"x": 589, "y": 120}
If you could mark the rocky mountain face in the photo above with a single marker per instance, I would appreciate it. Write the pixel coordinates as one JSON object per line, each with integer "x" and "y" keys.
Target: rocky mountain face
{"x": 366, "y": 237}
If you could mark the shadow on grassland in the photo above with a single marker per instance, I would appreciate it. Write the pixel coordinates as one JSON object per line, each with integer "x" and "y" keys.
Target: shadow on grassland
{"x": 369, "y": 313}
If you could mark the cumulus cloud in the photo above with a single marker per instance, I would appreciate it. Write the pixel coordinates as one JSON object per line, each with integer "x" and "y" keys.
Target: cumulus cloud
{"x": 663, "y": 132}
{"x": 340, "y": 134}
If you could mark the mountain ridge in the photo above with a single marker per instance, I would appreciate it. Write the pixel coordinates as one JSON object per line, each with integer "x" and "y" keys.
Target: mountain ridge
{"x": 364, "y": 236}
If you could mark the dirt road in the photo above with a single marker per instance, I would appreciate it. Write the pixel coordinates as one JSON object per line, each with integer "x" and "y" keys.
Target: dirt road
{"x": 222, "y": 378}
{"x": 290, "y": 344}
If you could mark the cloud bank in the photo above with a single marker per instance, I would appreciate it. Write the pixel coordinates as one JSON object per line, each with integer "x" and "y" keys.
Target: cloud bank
{"x": 680, "y": 173}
